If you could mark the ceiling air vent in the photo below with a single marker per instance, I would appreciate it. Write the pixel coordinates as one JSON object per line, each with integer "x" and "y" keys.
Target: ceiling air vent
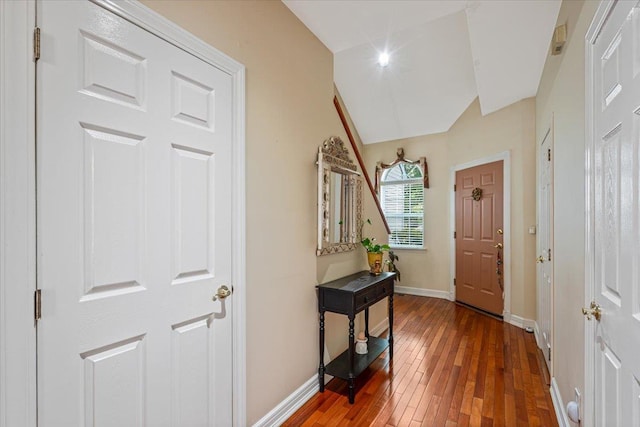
{"x": 559, "y": 39}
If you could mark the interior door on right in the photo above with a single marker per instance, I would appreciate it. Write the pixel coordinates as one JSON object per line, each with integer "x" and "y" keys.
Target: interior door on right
{"x": 479, "y": 239}
{"x": 615, "y": 172}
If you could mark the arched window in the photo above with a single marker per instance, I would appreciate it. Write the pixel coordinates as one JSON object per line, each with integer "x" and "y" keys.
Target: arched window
{"x": 402, "y": 200}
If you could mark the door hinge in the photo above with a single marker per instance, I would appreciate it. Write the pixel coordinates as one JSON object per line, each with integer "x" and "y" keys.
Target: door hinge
{"x": 549, "y": 352}
{"x": 36, "y": 44}
{"x": 454, "y": 234}
{"x": 454, "y": 187}
{"x": 454, "y": 281}
{"x": 549, "y": 154}
{"x": 549, "y": 253}
{"x": 37, "y": 305}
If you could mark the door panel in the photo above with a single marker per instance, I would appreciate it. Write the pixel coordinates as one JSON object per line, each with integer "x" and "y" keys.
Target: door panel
{"x": 478, "y": 261}
{"x": 487, "y": 216}
{"x": 192, "y": 353}
{"x": 113, "y": 237}
{"x": 134, "y": 226}
{"x": 610, "y": 375}
{"x": 192, "y": 207}
{"x": 114, "y": 383}
{"x": 616, "y": 215}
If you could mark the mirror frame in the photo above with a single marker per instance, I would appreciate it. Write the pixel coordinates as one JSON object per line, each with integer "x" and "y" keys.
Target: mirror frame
{"x": 333, "y": 156}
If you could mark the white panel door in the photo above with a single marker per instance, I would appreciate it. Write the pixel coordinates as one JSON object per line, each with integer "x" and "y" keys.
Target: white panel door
{"x": 545, "y": 261}
{"x": 134, "y": 226}
{"x": 616, "y": 234}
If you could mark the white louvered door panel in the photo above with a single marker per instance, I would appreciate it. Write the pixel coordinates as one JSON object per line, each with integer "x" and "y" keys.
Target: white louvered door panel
{"x": 134, "y": 214}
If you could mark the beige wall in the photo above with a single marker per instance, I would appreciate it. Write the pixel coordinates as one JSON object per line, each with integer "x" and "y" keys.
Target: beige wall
{"x": 472, "y": 137}
{"x": 289, "y": 113}
{"x": 561, "y": 95}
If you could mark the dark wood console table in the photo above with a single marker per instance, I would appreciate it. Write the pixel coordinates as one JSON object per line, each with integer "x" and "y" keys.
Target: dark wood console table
{"x": 349, "y": 296}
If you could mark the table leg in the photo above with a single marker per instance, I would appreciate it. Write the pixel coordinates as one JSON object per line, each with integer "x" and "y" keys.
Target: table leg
{"x": 352, "y": 379}
{"x": 391, "y": 326}
{"x": 366, "y": 322}
{"x": 321, "y": 366}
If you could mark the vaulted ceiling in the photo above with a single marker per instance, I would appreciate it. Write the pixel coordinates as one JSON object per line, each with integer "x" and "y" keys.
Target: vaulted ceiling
{"x": 443, "y": 54}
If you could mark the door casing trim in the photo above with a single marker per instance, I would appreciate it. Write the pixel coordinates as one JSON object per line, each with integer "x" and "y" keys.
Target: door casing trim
{"x": 505, "y": 156}
{"x": 17, "y": 191}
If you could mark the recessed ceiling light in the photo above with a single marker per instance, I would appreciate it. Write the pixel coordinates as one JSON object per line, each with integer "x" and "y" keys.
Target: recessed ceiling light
{"x": 383, "y": 59}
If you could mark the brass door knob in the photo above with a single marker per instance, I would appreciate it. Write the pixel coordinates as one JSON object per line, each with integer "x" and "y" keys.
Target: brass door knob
{"x": 593, "y": 311}
{"x": 498, "y": 246}
{"x": 540, "y": 259}
{"x": 223, "y": 292}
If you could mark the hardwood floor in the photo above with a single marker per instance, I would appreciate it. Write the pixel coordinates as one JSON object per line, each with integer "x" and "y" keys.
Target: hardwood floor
{"x": 452, "y": 366}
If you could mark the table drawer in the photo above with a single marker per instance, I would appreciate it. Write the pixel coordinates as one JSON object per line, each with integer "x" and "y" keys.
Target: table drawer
{"x": 385, "y": 289}
{"x": 367, "y": 298}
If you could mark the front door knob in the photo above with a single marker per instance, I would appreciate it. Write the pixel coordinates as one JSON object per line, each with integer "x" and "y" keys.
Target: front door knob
{"x": 498, "y": 246}
{"x": 223, "y": 292}
{"x": 592, "y": 312}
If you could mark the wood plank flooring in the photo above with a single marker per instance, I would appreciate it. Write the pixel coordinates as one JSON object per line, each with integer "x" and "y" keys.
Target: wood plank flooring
{"x": 452, "y": 367}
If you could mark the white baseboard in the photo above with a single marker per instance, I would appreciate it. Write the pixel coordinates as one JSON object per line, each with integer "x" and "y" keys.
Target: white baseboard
{"x": 291, "y": 404}
{"x": 421, "y": 292}
{"x": 380, "y": 327}
{"x": 518, "y": 321}
{"x": 536, "y": 332}
{"x": 558, "y": 405}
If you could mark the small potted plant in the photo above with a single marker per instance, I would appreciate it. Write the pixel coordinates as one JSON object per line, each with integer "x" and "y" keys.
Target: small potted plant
{"x": 391, "y": 264}
{"x": 374, "y": 252}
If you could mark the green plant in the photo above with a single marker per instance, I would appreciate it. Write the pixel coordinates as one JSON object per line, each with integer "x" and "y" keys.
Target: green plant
{"x": 369, "y": 243}
{"x": 391, "y": 264}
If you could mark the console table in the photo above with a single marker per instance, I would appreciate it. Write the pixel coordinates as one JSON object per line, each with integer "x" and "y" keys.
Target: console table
{"x": 349, "y": 296}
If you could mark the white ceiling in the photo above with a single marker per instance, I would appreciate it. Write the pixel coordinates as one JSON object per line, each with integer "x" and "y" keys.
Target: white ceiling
{"x": 443, "y": 55}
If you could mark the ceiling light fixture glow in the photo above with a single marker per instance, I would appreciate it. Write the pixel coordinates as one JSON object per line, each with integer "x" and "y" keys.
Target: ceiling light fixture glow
{"x": 383, "y": 59}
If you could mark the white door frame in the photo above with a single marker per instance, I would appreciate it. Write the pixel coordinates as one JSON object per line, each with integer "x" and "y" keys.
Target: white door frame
{"x": 587, "y": 411}
{"x": 18, "y": 209}
{"x": 505, "y": 156}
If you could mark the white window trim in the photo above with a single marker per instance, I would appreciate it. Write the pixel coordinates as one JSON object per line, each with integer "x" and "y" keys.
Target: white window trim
{"x": 407, "y": 181}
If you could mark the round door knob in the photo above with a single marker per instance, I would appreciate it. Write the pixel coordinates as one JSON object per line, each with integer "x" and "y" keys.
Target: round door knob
{"x": 223, "y": 292}
{"x": 498, "y": 246}
{"x": 593, "y": 311}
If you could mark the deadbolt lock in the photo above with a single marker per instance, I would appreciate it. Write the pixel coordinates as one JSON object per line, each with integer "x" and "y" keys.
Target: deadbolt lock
{"x": 500, "y": 232}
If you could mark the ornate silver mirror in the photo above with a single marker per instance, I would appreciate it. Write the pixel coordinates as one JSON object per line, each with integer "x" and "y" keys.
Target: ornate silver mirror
{"x": 339, "y": 198}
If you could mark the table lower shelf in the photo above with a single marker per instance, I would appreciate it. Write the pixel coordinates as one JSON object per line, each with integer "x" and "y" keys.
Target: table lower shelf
{"x": 339, "y": 367}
